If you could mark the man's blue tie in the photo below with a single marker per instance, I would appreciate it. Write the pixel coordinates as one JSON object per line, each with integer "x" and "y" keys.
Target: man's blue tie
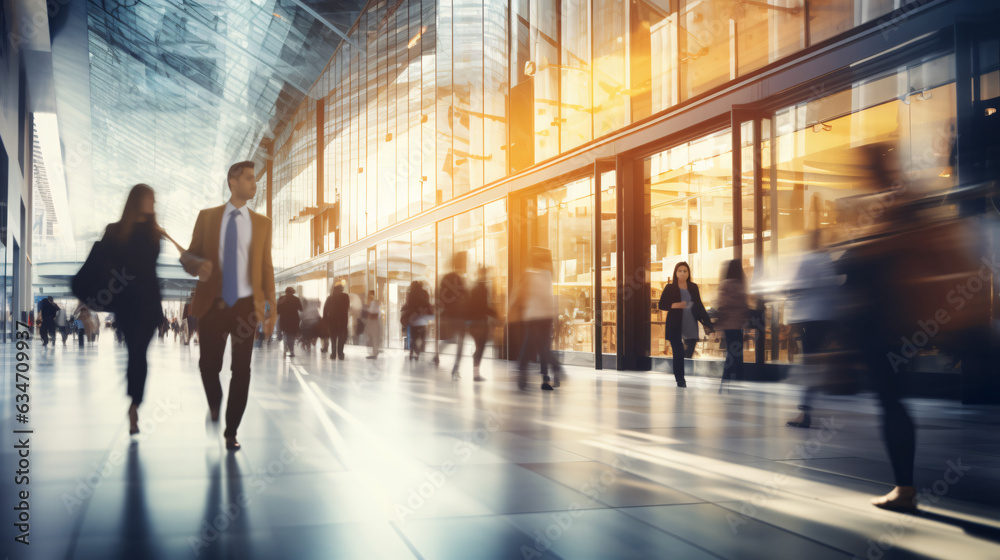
{"x": 230, "y": 284}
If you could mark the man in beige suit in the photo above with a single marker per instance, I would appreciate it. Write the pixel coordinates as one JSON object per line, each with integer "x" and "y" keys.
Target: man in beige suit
{"x": 231, "y": 255}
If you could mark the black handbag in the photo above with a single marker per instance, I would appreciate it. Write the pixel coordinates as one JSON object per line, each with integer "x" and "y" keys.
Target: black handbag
{"x": 359, "y": 326}
{"x": 93, "y": 284}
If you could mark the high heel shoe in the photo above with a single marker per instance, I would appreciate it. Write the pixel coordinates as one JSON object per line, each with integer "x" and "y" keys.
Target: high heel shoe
{"x": 133, "y": 420}
{"x": 801, "y": 421}
{"x": 902, "y": 502}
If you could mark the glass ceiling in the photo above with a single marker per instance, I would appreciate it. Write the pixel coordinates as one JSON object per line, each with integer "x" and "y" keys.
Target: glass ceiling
{"x": 180, "y": 89}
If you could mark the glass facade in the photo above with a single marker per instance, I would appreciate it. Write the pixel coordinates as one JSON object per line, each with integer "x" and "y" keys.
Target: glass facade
{"x": 561, "y": 219}
{"x": 689, "y": 188}
{"x": 295, "y": 188}
{"x": 609, "y": 263}
{"x": 431, "y": 101}
{"x": 811, "y": 178}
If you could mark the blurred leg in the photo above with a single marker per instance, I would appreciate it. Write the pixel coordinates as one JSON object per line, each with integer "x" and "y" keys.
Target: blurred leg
{"x": 212, "y": 332}
{"x": 137, "y": 339}
{"x": 734, "y": 354}
{"x": 677, "y": 353}
{"x": 242, "y": 327}
{"x": 479, "y": 331}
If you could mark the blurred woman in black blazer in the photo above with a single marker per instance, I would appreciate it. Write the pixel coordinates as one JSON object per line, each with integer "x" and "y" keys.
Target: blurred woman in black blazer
{"x": 134, "y": 244}
{"x": 682, "y": 301}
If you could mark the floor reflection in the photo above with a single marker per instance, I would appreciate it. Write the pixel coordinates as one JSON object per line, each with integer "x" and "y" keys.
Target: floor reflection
{"x": 630, "y": 465}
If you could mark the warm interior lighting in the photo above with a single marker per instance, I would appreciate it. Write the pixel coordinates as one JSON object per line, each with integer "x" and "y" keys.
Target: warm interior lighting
{"x": 990, "y": 111}
{"x": 276, "y": 15}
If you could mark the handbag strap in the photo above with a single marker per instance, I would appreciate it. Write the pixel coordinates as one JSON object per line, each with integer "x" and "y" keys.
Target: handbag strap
{"x": 171, "y": 239}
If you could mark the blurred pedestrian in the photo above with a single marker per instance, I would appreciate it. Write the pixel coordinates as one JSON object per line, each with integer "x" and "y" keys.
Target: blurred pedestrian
{"x": 192, "y": 323}
{"x": 289, "y": 309}
{"x": 416, "y": 314}
{"x": 453, "y": 306}
{"x": 81, "y": 318}
{"x": 135, "y": 245}
{"x": 733, "y": 314}
{"x": 681, "y": 299}
{"x": 480, "y": 312}
{"x": 868, "y": 269}
{"x": 95, "y": 323}
{"x": 62, "y": 324}
{"x": 230, "y": 252}
{"x": 49, "y": 310}
{"x": 185, "y": 325}
{"x": 335, "y": 314}
{"x": 534, "y": 306}
{"x": 813, "y": 306}
{"x": 311, "y": 324}
{"x": 371, "y": 314}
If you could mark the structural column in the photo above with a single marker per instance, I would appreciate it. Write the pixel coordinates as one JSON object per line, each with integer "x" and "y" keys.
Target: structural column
{"x": 633, "y": 266}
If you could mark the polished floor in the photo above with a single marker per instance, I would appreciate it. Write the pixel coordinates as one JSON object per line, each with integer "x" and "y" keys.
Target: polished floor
{"x": 392, "y": 459}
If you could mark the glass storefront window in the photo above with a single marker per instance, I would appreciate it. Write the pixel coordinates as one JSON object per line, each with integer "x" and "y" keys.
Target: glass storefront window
{"x": 445, "y": 255}
{"x": 575, "y": 69}
{"x": 398, "y": 282}
{"x": 833, "y": 17}
{"x": 495, "y": 90}
{"x": 610, "y": 93}
{"x": 469, "y": 241}
{"x": 495, "y": 260}
{"x": 443, "y": 57}
{"x": 544, "y": 49}
{"x": 423, "y": 252}
{"x": 989, "y": 69}
{"x": 652, "y": 57}
{"x": 467, "y": 96}
{"x": 358, "y": 288}
{"x": 689, "y": 188}
{"x": 564, "y": 223}
{"x": 817, "y": 180}
{"x": 431, "y": 99}
{"x": 339, "y": 273}
{"x": 609, "y": 263}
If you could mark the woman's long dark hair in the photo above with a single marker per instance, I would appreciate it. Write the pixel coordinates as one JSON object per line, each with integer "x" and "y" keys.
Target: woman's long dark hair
{"x": 733, "y": 270}
{"x": 133, "y": 211}
{"x": 685, "y": 265}
{"x": 411, "y": 293}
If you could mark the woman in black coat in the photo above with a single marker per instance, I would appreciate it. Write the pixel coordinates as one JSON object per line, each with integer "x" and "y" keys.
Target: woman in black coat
{"x": 415, "y": 314}
{"x": 682, "y": 301}
{"x": 134, "y": 246}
